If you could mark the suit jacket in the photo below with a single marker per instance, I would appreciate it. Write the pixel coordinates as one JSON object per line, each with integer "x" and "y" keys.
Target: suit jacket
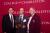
{"x": 25, "y": 23}
{"x": 35, "y": 25}
{"x": 7, "y": 24}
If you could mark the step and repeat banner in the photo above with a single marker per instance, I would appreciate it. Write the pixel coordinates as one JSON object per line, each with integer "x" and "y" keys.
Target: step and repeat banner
{"x": 42, "y": 8}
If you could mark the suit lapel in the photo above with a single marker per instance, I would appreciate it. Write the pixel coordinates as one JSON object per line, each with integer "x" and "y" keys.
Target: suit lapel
{"x": 8, "y": 17}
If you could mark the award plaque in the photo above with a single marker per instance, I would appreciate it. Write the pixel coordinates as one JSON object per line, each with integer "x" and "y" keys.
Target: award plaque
{"x": 20, "y": 25}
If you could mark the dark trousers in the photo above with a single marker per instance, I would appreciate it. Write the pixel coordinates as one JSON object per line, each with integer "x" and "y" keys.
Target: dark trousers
{"x": 21, "y": 31}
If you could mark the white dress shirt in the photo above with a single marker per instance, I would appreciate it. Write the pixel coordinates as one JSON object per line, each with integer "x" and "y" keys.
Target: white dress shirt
{"x": 21, "y": 16}
{"x": 11, "y": 16}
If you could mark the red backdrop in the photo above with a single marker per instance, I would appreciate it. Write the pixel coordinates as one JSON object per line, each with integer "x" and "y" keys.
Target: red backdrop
{"x": 42, "y": 8}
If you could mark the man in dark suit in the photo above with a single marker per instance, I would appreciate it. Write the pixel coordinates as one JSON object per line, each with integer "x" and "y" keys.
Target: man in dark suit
{"x": 8, "y": 22}
{"x": 22, "y": 20}
{"x": 34, "y": 22}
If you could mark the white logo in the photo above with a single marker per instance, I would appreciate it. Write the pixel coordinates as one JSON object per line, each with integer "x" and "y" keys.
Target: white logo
{"x": 33, "y": 21}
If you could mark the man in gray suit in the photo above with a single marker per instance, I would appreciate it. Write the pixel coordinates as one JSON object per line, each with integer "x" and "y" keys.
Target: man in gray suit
{"x": 21, "y": 22}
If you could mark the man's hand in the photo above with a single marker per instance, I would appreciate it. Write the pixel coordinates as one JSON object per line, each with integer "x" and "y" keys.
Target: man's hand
{"x": 24, "y": 26}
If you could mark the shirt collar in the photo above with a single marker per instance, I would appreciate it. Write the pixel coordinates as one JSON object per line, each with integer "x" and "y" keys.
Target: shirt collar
{"x": 22, "y": 15}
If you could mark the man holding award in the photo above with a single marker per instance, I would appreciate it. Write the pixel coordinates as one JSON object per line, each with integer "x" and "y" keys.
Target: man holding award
{"x": 21, "y": 22}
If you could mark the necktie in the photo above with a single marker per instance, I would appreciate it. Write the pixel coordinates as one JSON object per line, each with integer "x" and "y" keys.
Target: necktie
{"x": 21, "y": 18}
{"x": 12, "y": 20}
